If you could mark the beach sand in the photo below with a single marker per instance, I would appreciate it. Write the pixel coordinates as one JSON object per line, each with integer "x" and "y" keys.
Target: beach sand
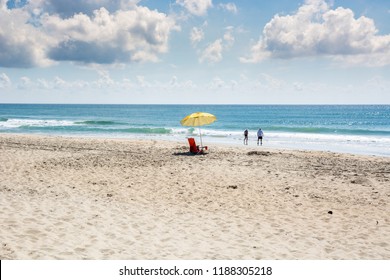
{"x": 81, "y": 198}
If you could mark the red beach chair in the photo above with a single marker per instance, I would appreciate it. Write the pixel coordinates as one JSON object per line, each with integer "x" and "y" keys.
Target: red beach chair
{"x": 196, "y": 149}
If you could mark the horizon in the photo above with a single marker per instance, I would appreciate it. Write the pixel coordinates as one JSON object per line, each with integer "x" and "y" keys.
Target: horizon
{"x": 195, "y": 104}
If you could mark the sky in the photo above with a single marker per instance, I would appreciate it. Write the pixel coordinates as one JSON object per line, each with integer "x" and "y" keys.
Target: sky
{"x": 195, "y": 51}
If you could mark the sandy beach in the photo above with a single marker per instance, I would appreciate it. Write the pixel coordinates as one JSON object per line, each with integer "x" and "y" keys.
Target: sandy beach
{"x": 84, "y": 198}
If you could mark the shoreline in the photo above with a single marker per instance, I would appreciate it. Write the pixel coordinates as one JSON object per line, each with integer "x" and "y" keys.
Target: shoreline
{"x": 211, "y": 141}
{"x": 89, "y": 198}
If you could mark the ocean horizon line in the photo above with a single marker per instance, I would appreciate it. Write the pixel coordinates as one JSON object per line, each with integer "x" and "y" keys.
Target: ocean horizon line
{"x": 204, "y": 104}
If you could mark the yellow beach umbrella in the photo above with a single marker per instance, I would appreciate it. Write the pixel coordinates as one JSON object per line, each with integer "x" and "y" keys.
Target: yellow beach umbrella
{"x": 198, "y": 119}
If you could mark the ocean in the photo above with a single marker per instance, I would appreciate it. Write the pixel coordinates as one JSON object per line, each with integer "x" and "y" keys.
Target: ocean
{"x": 357, "y": 129}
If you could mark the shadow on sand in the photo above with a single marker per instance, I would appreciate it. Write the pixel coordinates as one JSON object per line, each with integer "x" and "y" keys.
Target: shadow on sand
{"x": 188, "y": 154}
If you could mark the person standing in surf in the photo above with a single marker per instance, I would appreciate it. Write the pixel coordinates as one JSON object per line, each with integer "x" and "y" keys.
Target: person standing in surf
{"x": 246, "y": 137}
{"x": 260, "y": 136}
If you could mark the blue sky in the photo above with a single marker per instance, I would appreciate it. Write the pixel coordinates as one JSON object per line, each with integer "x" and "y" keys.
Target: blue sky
{"x": 195, "y": 51}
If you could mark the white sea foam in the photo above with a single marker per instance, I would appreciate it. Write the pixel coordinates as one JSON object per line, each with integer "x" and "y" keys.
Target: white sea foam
{"x": 15, "y": 123}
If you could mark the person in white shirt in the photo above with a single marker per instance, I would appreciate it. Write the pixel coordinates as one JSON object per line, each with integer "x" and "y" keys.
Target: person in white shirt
{"x": 260, "y": 135}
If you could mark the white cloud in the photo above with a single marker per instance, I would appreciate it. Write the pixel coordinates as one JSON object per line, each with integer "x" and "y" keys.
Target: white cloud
{"x": 3, "y": 4}
{"x": 21, "y": 44}
{"x": 43, "y": 84}
{"x": 174, "y": 81}
{"x": 141, "y": 81}
{"x": 298, "y": 86}
{"x": 317, "y": 30}
{"x": 25, "y": 83}
{"x": 270, "y": 81}
{"x": 217, "y": 83}
{"x": 197, "y": 35}
{"x": 124, "y": 36}
{"x": 196, "y": 7}
{"x": 378, "y": 83}
{"x": 213, "y": 53}
{"x": 189, "y": 84}
{"x": 230, "y": 7}
{"x": 228, "y": 36}
{"x": 233, "y": 84}
{"x": 104, "y": 79}
{"x": 101, "y": 83}
{"x": 34, "y": 35}
{"x": 59, "y": 83}
{"x": 5, "y": 81}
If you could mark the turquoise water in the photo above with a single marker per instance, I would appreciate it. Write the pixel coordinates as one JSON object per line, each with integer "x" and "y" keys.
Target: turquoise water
{"x": 341, "y": 128}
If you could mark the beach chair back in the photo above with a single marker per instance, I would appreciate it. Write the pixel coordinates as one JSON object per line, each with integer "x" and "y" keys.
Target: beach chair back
{"x": 193, "y": 147}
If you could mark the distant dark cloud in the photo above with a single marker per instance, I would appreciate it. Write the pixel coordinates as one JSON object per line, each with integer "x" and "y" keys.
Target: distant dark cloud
{"x": 15, "y": 55}
{"x": 87, "y": 52}
{"x": 68, "y": 9}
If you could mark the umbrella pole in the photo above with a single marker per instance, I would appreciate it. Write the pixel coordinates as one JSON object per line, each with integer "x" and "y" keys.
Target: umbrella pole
{"x": 200, "y": 134}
